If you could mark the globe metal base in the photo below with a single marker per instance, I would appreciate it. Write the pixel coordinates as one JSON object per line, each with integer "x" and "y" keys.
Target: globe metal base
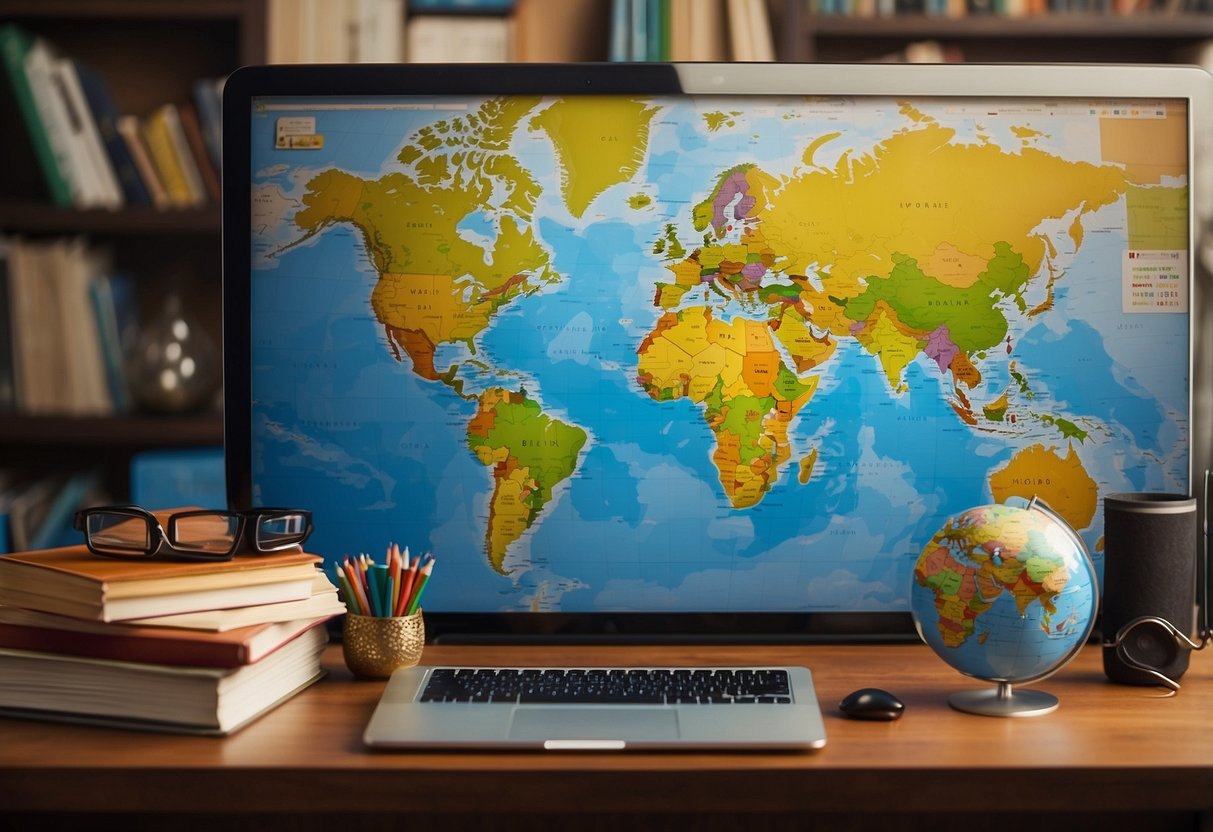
{"x": 1002, "y": 701}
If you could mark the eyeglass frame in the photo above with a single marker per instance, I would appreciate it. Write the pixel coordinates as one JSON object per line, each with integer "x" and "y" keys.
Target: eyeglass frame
{"x": 161, "y": 543}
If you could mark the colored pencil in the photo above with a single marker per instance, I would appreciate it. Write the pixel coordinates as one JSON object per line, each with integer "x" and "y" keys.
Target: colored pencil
{"x": 423, "y": 577}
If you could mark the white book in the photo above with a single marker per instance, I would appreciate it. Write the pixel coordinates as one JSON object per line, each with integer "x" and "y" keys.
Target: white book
{"x": 760, "y": 31}
{"x": 377, "y": 30}
{"x": 453, "y": 39}
{"x": 91, "y": 146}
{"x": 85, "y": 385}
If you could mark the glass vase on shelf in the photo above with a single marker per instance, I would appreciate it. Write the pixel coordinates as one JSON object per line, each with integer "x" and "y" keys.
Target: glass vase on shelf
{"x": 174, "y": 367}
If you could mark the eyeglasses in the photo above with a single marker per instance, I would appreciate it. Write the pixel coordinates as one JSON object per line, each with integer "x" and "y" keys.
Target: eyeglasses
{"x": 133, "y": 532}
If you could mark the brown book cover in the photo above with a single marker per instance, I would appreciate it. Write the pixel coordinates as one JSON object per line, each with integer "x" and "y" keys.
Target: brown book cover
{"x": 192, "y": 127}
{"x": 22, "y": 629}
{"x": 73, "y": 581}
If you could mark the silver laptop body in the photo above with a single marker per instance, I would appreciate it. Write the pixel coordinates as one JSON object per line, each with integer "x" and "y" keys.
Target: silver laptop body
{"x": 401, "y": 721}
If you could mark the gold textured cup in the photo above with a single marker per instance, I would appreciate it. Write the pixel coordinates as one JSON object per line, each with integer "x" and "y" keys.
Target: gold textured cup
{"x": 374, "y": 646}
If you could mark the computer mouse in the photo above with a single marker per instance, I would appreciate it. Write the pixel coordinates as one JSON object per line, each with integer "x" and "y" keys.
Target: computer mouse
{"x": 873, "y": 704}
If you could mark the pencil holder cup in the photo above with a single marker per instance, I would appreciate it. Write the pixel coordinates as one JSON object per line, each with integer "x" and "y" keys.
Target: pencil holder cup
{"x": 374, "y": 646}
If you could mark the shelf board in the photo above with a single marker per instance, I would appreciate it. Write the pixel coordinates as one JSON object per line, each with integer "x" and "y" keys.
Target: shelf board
{"x": 130, "y": 432}
{"x": 1074, "y": 26}
{"x": 132, "y": 9}
{"x": 39, "y": 218}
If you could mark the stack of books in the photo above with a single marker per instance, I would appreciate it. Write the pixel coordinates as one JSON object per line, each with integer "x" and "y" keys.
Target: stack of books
{"x": 160, "y": 645}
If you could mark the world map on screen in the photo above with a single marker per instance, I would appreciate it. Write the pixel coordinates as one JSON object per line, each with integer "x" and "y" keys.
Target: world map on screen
{"x": 710, "y": 354}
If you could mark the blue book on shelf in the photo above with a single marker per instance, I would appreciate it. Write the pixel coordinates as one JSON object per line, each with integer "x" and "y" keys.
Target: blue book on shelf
{"x": 208, "y": 98}
{"x": 621, "y": 30}
{"x": 179, "y": 477}
{"x": 115, "y": 307}
{"x": 105, "y": 114}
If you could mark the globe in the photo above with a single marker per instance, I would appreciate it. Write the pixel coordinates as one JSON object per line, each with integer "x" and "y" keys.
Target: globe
{"x": 1006, "y": 594}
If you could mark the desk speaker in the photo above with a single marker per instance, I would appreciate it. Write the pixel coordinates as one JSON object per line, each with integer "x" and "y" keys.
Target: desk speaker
{"x": 1149, "y": 592}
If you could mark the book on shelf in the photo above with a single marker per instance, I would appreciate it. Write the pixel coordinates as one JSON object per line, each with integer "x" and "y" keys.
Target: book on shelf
{"x": 689, "y": 30}
{"x": 15, "y": 46}
{"x": 157, "y": 697}
{"x": 450, "y": 38}
{"x": 105, "y": 114}
{"x": 208, "y": 98}
{"x": 99, "y": 183}
{"x": 132, "y": 136}
{"x": 191, "y": 128}
{"x": 51, "y": 108}
{"x": 334, "y": 31}
{"x": 169, "y": 153}
{"x": 115, "y": 306}
{"x": 562, "y": 32}
{"x": 22, "y": 629}
{"x": 58, "y": 360}
{"x": 73, "y": 581}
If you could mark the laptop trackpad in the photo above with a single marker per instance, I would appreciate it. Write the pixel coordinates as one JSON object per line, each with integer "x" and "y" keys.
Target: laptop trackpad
{"x": 632, "y": 723}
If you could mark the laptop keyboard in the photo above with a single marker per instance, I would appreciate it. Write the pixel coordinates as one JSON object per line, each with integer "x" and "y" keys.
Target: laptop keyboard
{"x": 644, "y": 686}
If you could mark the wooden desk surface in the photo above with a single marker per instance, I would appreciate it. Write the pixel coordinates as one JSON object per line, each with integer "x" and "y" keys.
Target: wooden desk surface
{"x": 1108, "y": 748}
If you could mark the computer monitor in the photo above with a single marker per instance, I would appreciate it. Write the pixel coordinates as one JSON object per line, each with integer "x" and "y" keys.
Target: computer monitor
{"x": 702, "y": 350}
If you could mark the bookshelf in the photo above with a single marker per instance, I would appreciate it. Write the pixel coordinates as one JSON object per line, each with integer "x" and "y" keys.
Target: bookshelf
{"x": 1063, "y": 37}
{"x": 150, "y": 52}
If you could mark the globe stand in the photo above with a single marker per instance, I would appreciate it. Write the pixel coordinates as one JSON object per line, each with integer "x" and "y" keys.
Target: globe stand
{"x": 1002, "y": 701}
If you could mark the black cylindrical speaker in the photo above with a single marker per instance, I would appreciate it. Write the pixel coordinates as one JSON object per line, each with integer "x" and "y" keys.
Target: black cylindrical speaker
{"x": 1149, "y": 572}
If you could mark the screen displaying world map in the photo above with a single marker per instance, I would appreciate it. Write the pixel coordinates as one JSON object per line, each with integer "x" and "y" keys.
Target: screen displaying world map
{"x": 684, "y": 354}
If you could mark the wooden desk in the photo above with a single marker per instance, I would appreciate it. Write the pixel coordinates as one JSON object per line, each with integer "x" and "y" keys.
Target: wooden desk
{"x": 1108, "y": 749}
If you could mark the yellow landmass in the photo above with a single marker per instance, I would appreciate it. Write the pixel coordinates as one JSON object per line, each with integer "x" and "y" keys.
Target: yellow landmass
{"x": 917, "y": 187}
{"x": 807, "y": 463}
{"x": 997, "y": 410}
{"x": 1076, "y": 234}
{"x": 810, "y": 152}
{"x": 953, "y": 267}
{"x": 894, "y": 348}
{"x": 509, "y": 514}
{"x": 1062, "y": 482}
{"x": 805, "y": 348}
{"x": 599, "y": 141}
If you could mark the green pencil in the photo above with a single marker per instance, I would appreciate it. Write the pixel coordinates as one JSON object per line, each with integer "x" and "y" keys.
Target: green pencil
{"x": 423, "y": 578}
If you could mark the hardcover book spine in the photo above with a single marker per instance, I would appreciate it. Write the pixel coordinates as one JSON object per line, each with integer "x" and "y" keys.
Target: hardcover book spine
{"x": 14, "y": 46}
{"x": 159, "y": 140}
{"x": 87, "y": 141}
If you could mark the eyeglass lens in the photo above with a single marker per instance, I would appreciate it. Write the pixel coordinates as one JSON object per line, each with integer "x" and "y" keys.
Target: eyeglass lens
{"x": 206, "y": 533}
{"x": 119, "y": 532}
{"x": 279, "y": 530}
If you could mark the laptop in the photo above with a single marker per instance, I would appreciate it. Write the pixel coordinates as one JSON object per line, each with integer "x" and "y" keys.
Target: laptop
{"x": 599, "y": 709}
{"x": 709, "y": 352}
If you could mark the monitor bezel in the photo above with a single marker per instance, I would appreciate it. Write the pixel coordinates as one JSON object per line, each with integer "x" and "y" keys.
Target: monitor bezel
{"x": 1059, "y": 81}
